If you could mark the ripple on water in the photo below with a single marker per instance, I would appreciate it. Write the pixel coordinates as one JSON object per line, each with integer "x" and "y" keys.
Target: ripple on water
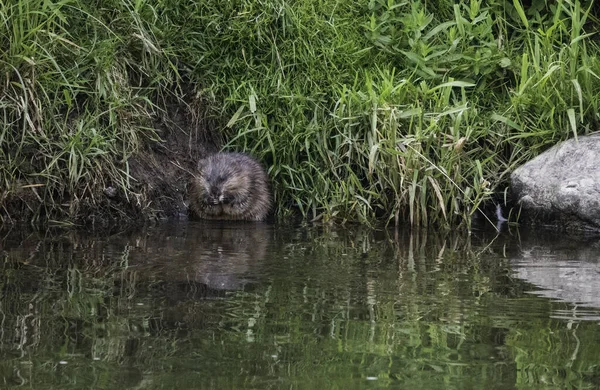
{"x": 226, "y": 305}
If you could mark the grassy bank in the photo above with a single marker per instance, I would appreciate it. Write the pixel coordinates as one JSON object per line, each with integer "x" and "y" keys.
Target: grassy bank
{"x": 407, "y": 111}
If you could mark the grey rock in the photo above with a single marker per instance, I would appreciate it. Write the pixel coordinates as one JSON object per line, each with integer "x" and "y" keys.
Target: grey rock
{"x": 562, "y": 185}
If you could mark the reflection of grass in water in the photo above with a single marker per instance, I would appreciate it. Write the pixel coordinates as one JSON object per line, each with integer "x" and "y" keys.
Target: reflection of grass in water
{"x": 413, "y": 321}
{"x": 418, "y": 310}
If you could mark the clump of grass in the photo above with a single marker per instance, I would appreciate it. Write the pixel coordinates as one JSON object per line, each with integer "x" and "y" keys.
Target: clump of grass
{"x": 389, "y": 110}
{"x": 83, "y": 82}
{"x": 414, "y": 112}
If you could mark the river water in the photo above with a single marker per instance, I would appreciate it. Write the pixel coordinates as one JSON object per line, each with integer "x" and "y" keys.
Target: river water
{"x": 228, "y": 306}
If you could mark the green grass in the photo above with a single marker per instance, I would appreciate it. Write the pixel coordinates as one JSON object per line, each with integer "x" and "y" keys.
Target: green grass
{"x": 414, "y": 112}
{"x": 82, "y": 87}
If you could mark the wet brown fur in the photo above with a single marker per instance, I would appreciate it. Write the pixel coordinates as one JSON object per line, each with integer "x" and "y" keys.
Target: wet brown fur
{"x": 230, "y": 186}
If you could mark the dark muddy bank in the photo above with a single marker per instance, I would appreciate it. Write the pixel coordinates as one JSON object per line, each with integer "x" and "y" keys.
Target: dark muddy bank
{"x": 157, "y": 177}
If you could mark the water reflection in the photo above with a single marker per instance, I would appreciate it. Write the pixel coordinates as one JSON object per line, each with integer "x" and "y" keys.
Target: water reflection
{"x": 220, "y": 256}
{"x": 565, "y": 268}
{"x": 253, "y": 305}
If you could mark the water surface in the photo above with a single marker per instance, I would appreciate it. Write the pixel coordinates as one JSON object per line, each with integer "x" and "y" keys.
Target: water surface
{"x": 210, "y": 305}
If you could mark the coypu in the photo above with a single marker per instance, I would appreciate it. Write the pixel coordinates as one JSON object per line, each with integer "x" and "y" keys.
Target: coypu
{"x": 231, "y": 186}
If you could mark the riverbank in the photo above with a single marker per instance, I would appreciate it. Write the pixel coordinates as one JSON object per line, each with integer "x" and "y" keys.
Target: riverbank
{"x": 414, "y": 113}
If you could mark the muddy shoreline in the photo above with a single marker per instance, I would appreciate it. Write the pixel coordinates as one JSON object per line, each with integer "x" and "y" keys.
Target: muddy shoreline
{"x": 157, "y": 175}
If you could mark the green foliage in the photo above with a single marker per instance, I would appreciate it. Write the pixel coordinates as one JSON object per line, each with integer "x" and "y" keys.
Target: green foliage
{"x": 392, "y": 110}
{"x": 411, "y": 111}
{"x": 83, "y": 81}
